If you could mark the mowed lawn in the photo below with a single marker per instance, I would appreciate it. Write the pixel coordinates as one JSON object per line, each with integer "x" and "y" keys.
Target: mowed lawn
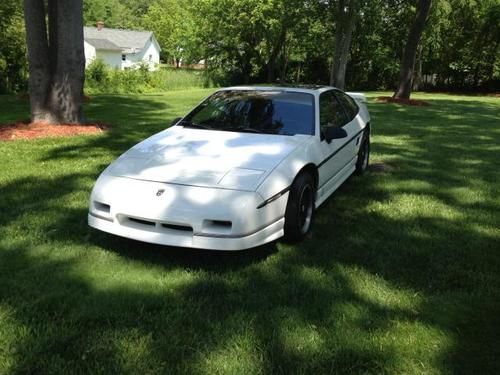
{"x": 401, "y": 274}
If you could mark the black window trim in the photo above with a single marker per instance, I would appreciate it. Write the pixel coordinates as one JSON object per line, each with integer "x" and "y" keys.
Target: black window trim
{"x": 343, "y": 107}
{"x": 333, "y": 91}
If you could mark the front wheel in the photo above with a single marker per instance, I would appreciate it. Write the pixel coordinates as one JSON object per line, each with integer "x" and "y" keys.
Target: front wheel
{"x": 299, "y": 213}
{"x": 363, "y": 154}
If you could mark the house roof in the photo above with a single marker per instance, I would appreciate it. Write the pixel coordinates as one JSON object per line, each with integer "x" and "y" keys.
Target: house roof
{"x": 103, "y": 44}
{"x": 128, "y": 41}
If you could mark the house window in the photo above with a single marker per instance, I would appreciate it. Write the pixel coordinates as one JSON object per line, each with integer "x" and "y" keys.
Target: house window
{"x": 124, "y": 57}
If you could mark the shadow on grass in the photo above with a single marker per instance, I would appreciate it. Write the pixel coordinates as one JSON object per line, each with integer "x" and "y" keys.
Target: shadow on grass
{"x": 375, "y": 289}
{"x": 130, "y": 119}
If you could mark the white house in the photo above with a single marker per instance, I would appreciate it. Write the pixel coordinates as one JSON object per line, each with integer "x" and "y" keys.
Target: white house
{"x": 121, "y": 49}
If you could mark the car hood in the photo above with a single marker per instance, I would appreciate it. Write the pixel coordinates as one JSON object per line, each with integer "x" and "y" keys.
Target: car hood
{"x": 206, "y": 158}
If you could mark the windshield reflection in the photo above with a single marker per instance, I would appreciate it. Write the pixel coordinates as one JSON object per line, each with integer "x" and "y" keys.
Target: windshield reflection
{"x": 255, "y": 111}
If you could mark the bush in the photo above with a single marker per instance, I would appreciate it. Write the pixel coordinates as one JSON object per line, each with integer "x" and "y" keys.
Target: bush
{"x": 97, "y": 72}
{"x": 102, "y": 79}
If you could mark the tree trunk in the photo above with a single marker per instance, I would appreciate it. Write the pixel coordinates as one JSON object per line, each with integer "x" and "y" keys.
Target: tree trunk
{"x": 246, "y": 70}
{"x": 271, "y": 65}
{"x": 38, "y": 57}
{"x": 476, "y": 76}
{"x": 343, "y": 36}
{"x": 408, "y": 62}
{"x": 418, "y": 75}
{"x": 285, "y": 64}
{"x": 56, "y": 62}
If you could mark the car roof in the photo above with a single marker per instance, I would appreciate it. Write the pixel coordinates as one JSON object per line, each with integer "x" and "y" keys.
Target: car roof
{"x": 311, "y": 89}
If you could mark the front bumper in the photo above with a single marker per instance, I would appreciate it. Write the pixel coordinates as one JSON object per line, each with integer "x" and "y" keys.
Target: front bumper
{"x": 265, "y": 235}
{"x": 185, "y": 216}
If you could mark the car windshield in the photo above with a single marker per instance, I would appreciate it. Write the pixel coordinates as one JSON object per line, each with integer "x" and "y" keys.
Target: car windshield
{"x": 255, "y": 111}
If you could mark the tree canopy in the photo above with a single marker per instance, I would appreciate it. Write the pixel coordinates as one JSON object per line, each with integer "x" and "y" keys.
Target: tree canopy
{"x": 297, "y": 40}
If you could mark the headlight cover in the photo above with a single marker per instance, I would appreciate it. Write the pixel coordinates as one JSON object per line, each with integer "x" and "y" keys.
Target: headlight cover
{"x": 242, "y": 179}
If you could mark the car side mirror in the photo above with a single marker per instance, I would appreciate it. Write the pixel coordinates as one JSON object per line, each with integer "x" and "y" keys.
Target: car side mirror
{"x": 334, "y": 133}
{"x": 175, "y": 121}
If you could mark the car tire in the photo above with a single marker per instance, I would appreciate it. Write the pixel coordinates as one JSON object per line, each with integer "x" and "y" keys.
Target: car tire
{"x": 363, "y": 154}
{"x": 300, "y": 208}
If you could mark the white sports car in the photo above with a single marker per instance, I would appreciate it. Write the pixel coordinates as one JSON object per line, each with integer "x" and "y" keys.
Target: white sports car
{"x": 246, "y": 166}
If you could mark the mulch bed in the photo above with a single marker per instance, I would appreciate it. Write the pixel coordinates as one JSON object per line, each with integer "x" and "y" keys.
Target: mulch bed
{"x": 414, "y": 102}
{"x": 29, "y": 130}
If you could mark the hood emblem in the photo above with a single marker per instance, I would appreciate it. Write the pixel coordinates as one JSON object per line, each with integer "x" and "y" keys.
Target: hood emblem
{"x": 160, "y": 192}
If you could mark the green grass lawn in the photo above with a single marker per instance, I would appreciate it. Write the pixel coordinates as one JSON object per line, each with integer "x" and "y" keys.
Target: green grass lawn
{"x": 401, "y": 274}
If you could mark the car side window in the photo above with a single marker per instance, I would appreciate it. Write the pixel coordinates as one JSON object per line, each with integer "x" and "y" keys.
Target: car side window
{"x": 331, "y": 112}
{"x": 350, "y": 106}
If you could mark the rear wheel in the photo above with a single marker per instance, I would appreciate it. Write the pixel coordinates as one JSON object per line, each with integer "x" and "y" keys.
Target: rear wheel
{"x": 299, "y": 213}
{"x": 363, "y": 154}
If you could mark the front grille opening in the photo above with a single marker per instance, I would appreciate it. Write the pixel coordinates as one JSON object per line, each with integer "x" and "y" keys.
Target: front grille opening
{"x": 103, "y": 207}
{"x": 142, "y": 222}
{"x": 221, "y": 224}
{"x": 217, "y": 226}
{"x": 185, "y": 228}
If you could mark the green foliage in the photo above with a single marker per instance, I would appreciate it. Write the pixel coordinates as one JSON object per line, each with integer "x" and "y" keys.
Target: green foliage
{"x": 292, "y": 40}
{"x": 378, "y": 44}
{"x": 13, "y": 63}
{"x": 102, "y": 79}
{"x": 173, "y": 26}
{"x": 97, "y": 73}
{"x": 114, "y": 13}
{"x": 400, "y": 275}
{"x": 466, "y": 50}
{"x": 242, "y": 39}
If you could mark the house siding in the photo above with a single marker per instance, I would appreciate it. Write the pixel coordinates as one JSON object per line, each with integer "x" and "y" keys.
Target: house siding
{"x": 151, "y": 48}
{"x": 111, "y": 58}
{"x": 90, "y": 53}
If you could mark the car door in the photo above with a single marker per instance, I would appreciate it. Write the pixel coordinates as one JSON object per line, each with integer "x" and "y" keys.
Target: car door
{"x": 336, "y": 155}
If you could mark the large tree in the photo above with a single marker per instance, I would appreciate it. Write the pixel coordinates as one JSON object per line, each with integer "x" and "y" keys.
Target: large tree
{"x": 56, "y": 59}
{"x": 346, "y": 21}
{"x": 232, "y": 35}
{"x": 174, "y": 27}
{"x": 410, "y": 51}
{"x": 280, "y": 19}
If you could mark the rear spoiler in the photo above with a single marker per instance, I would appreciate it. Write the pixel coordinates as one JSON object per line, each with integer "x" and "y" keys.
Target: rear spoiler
{"x": 357, "y": 96}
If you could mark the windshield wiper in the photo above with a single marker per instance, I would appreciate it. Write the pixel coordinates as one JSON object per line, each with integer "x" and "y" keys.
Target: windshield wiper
{"x": 190, "y": 124}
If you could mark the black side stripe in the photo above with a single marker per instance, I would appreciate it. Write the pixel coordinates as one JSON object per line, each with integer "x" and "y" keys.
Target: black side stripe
{"x": 277, "y": 195}
{"x": 274, "y": 197}
{"x": 327, "y": 181}
{"x": 340, "y": 148}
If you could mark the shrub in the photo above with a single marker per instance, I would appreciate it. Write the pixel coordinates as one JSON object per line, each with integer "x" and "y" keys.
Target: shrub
{"x": 102, "y": 79}
{"x": 97, "y": 72}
